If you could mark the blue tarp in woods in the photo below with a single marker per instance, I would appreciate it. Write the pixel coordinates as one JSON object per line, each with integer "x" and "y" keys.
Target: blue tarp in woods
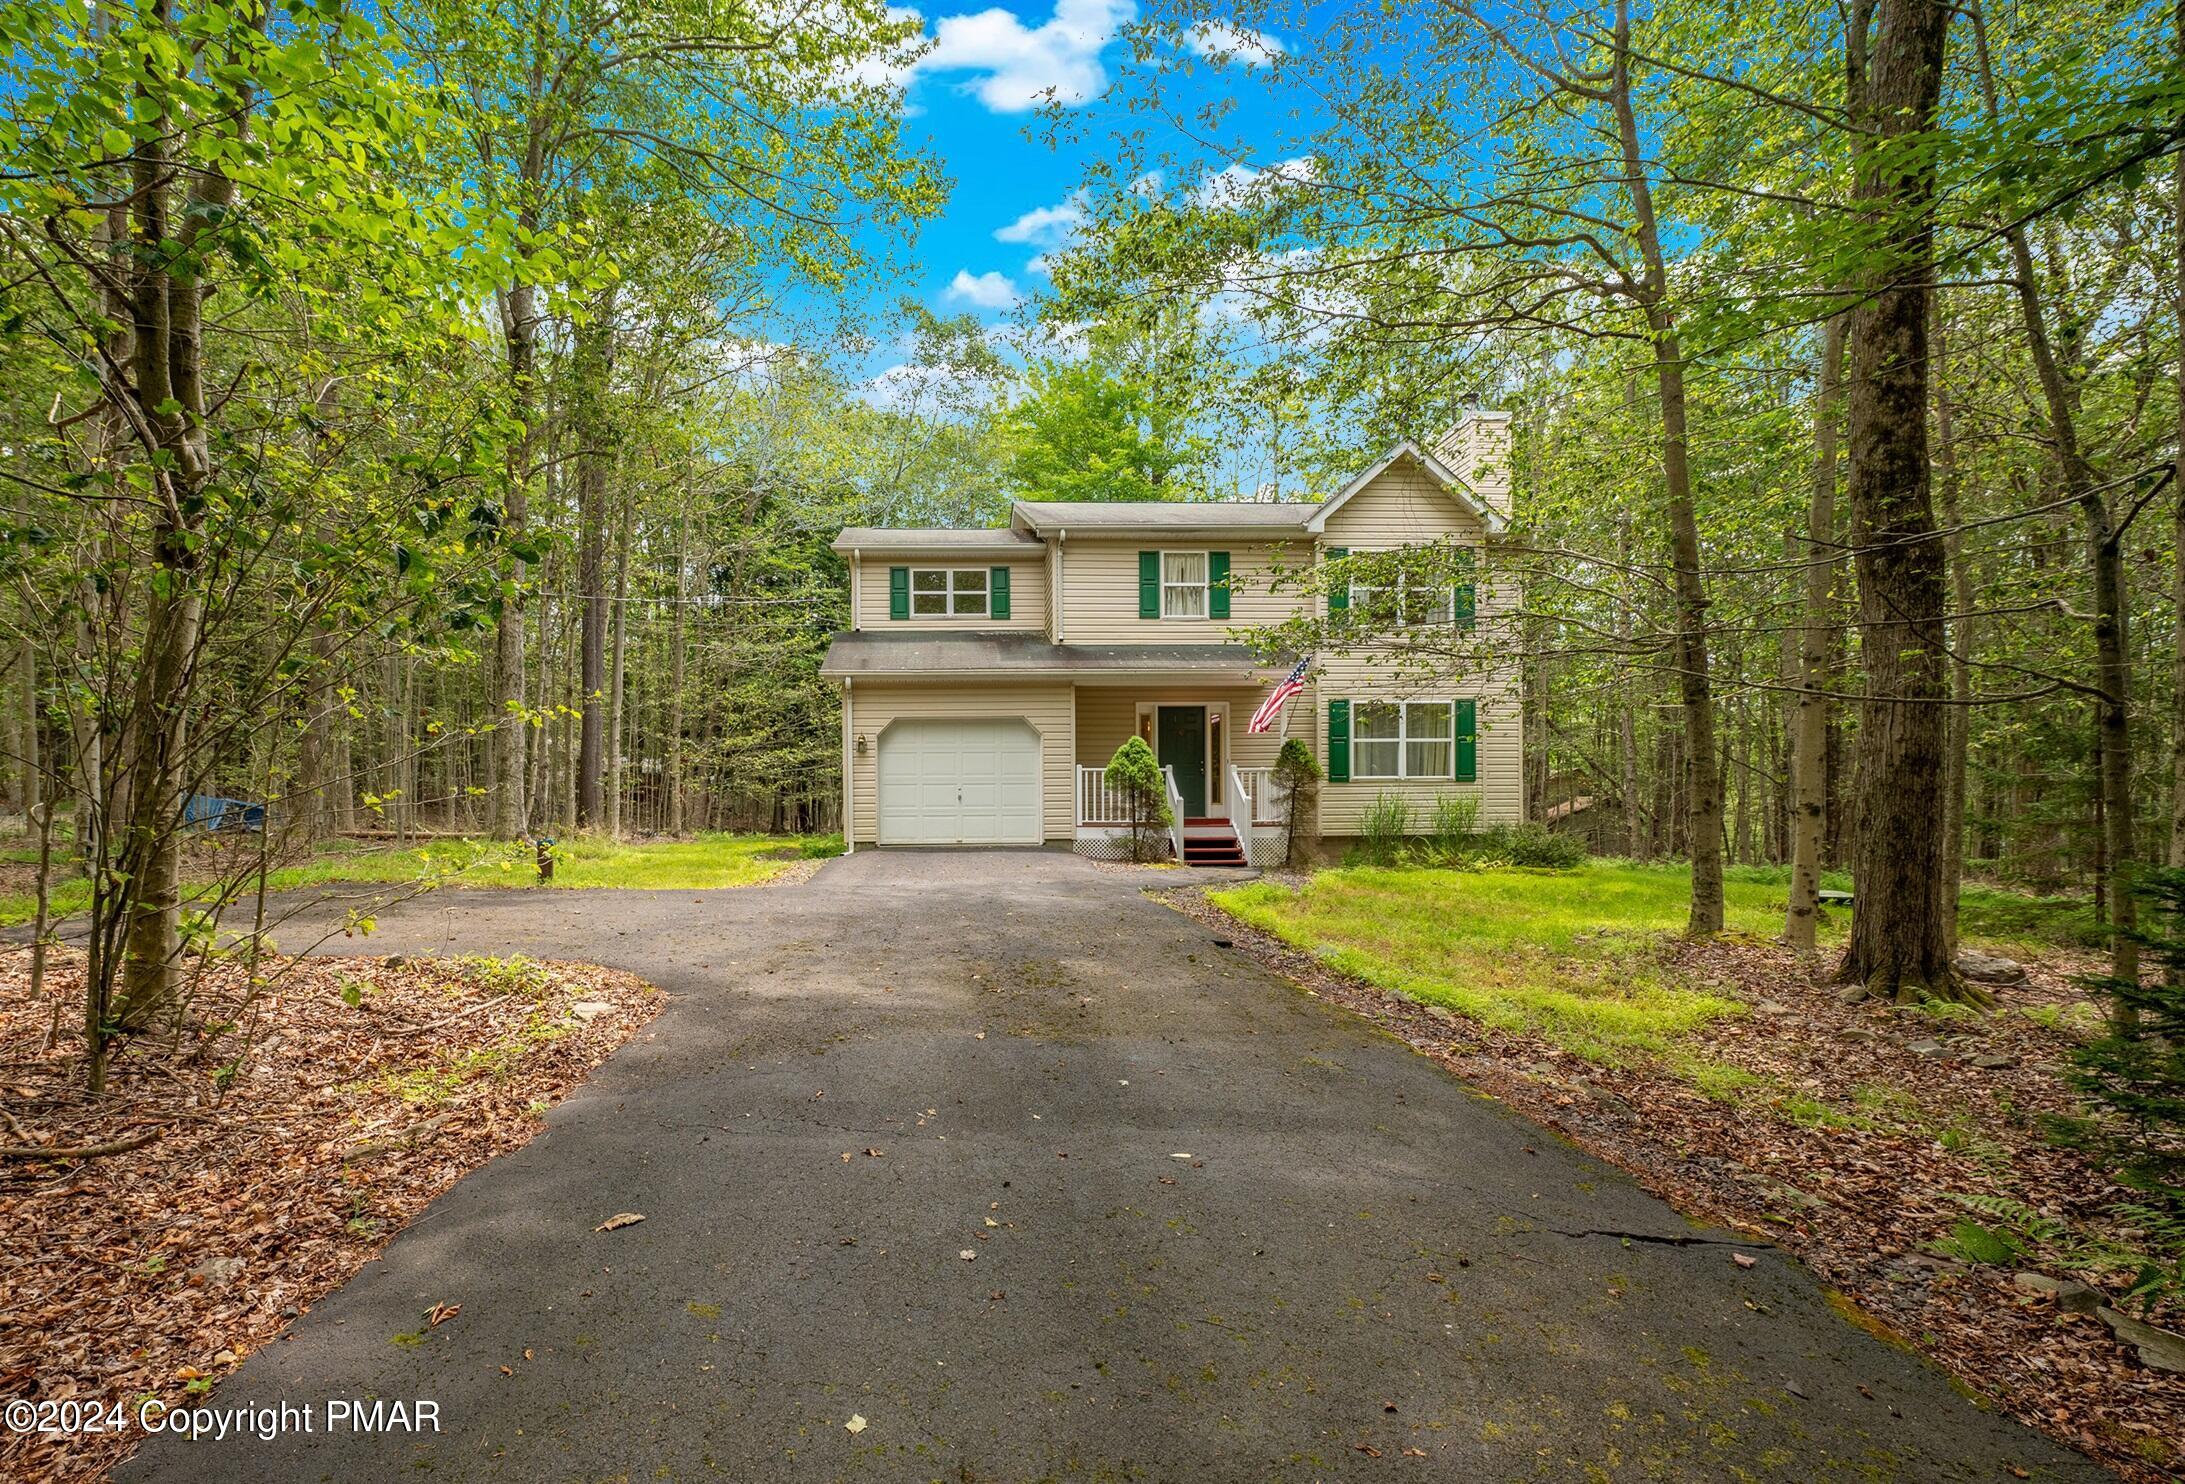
{"x": 223, "y": 814}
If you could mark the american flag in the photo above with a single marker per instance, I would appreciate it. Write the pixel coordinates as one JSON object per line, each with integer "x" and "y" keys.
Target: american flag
{"x": 1271, "y": 708}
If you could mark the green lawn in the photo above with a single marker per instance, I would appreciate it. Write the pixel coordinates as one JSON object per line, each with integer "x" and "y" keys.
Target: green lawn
{"x": 710, "y": 860}
{"x": 1568, "y": 955}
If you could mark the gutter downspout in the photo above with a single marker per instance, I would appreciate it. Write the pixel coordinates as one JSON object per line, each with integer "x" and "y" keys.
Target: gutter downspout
{"x": 849, "y": 790}
{"x": 1055, "y": 595}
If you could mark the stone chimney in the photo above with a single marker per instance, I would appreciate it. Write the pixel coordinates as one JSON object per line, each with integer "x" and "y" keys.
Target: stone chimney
{"x": 1478, "y": 450}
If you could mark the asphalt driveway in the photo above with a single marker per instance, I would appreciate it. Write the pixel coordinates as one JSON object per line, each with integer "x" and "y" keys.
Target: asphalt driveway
{"x": 1358, "y": 1253}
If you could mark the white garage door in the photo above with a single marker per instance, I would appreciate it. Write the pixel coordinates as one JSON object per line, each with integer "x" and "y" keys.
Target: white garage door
{"x": 959, "y": 783}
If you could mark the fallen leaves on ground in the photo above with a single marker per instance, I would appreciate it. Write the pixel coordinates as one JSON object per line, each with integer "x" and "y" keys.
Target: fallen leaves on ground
{"x": 620, "y": 1220}
{"x": 150, "y": 1273}
{"x": 1851, "y": 1150}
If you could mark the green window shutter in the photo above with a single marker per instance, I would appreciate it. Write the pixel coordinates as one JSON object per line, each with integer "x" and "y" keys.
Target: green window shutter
{"x": 1149, "y": 584}
{"x": 898, "y": 592}
{"x": 1467, "y": 603}
{"x": 1338, "y": 741}
{"x": 1217, "y": 578}
{"x": 1338, "y": 597}
{"x": 997, "y": 592}
{"x": 1467, "y": 741}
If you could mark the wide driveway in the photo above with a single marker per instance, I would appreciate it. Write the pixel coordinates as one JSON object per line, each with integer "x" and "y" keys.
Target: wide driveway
{"x": 1031, "y": 1175}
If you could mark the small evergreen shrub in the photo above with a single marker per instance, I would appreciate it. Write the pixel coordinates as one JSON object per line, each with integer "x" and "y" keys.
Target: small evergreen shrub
{"x": 1534, "y": 844}
{"x": 1295, "y": 777}
{"x": 1135, "y": 773}
{"x": 2136, "y": 1069}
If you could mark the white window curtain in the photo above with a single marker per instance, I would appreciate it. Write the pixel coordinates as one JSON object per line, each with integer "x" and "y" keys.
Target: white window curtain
{"x": 1377, "y": 740}
{"x": 1183, "y": 584}
{"x": 1403, "y": 739}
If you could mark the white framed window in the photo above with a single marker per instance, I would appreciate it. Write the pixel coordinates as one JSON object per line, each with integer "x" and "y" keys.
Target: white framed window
{"x": 1403, "y": 739}
{"x": 1413, "y": 604}
{"x": 1183, "y": 584}
{"x": 948, "y": 592}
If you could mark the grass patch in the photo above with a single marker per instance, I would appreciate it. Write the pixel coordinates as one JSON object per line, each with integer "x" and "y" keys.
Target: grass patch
{"x": 2020, "y": 923}
{"x": 1566, "y": 955}
{"x": 707, "y": 861}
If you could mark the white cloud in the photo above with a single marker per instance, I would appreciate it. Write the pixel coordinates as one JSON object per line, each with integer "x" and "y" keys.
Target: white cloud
{"x": 1020, "y": 67}
{"x": 1219, "y": 41}
{"x": 1047, "y": 226}
{"x": 1236, "y": 185}
{"x": 982, "y": 291}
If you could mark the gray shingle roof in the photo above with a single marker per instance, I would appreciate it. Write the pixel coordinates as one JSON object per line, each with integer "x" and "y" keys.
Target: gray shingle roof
{"x": 884, "y": 538}
{"x": 1166, "y": 515}
{"x": 925, "y": 652}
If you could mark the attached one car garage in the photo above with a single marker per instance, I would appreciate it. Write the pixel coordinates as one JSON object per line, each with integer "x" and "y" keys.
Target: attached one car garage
{"x": 960, "y": 781}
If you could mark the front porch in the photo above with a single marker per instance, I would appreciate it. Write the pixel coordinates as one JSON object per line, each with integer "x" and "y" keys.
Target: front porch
{"x": 1220, "y": 795}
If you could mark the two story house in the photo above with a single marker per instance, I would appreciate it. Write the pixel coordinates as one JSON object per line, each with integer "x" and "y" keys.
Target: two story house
{"x": 989, "y": 675}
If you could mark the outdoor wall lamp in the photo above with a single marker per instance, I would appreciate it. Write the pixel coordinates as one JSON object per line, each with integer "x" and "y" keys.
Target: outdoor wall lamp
{"x": 860, "y": 744}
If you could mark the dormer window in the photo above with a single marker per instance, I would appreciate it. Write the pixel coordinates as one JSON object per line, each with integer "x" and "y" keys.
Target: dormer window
{"x": 948, "y": 592}
{"x": 1183, "y": 584}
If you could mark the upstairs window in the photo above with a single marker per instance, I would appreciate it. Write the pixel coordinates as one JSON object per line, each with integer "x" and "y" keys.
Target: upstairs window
{"x": 1183, "y": 584}
{"x": 1413, "y": 603}
{"x": 949, "y": 592}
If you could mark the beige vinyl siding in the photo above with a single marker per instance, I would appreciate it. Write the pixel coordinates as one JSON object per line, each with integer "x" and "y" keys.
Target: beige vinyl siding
{"x": 1045, "y": 704}
{"x": 1027, "y": 592}
{"x": 1501, "y": 764}
{"x": 1100, "y": 590}
{"x": 1477, "y": 451}
{"x": 1107, "y": 715}
{"x": 1404, "y": 507}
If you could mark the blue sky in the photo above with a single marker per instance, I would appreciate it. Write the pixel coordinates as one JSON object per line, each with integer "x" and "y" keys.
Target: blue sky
{"x": 975, "y": 98}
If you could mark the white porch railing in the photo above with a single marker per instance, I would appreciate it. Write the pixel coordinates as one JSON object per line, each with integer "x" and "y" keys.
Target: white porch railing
{"x": 1240, "y": 807}
{"x": 1175, "y": 811}
{"x": 1097, "y": 801}
{"x": 1259, "y": 785}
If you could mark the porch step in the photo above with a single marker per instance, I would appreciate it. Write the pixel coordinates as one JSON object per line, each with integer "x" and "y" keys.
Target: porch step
{"x": 1220, "y": 850}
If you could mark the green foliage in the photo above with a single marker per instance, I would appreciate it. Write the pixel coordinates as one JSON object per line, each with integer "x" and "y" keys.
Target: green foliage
{"x": 1456, "y": 822}
{"x": 1295, "y": 777}
{"x": 1295, "y": 764}
{"x": 1136, "y": 773}
{"x": 2137, "y": 1069}
{"x": 1384, "y": 830}
{"x": 1532, "y": 843}
{"x": 1085, "y": 432}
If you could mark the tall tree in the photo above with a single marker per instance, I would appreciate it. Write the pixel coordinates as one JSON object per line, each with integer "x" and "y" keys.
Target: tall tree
{"x": 1900, "y": 935}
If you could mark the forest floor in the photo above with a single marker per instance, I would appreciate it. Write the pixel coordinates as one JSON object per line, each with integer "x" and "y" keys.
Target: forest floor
{"x": 708, "y": 860}
{"x": 247, "y": 1186}
{"x": 1925, "y": 1163}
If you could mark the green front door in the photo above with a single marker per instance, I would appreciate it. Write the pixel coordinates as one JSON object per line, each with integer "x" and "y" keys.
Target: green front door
{"x": 1180, "y": 735}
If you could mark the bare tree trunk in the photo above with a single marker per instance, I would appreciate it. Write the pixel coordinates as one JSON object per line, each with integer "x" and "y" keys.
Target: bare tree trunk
{"x": 511, "y": 779}
{"x": 1958, "y": 731}
{"x": 594, "y": 362}
{"x": 1809, "y": 726}
{"x": 675, "y": 675}
{"x": 2177, "y": 507}
{"x": 1703, "y": 776}
{"x": 619, "y": 746}
{"x": 1899, "y": 944}
{"x": 2105, "y": 555}
{"x": 28, "y": 753}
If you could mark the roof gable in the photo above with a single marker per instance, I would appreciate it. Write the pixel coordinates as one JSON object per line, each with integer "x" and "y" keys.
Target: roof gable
{"x": 1443, "y": 476}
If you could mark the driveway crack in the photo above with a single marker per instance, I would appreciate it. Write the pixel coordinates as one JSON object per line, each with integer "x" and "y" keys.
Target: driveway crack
{"x": 1659, "y": 1240}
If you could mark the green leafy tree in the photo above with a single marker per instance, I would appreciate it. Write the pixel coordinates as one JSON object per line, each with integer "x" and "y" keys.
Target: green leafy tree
{"x": 1086, "y": 431}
